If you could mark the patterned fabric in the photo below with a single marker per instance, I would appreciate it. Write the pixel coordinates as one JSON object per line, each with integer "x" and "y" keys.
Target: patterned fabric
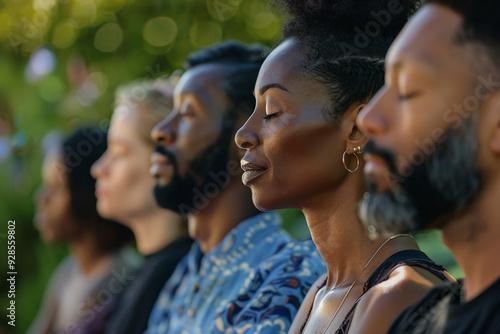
{"x": 252, "y": 282}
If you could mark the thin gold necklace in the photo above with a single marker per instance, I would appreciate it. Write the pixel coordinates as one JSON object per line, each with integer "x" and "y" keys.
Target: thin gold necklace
{"x": 353, "y": 283}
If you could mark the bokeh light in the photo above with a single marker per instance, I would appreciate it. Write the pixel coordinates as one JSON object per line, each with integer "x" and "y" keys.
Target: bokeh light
{"x": 42, "y": 62}
{"x": 205, "y": 33}
{"x": 87, "y": 93}
{"x": 262, "y": 21}
{"x": 160, "y": 31}
{"x": 64, "y": 34}
{"x": 100, "y": 80}
{"x": 52, "y": 89}
{"x": 108, "y": 38}
{"x": 84, "y": 12}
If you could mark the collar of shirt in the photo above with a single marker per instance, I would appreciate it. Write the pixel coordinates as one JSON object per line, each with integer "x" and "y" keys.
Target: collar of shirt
{"x": 236, "y": 243}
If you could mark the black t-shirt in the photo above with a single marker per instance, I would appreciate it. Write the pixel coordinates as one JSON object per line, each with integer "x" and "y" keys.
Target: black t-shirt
{"x": 132, "y": 313}
{"x": 441, "y": 311}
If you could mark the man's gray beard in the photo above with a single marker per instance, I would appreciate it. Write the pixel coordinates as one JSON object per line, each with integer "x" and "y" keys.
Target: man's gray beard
{"x": 442, "y": 184}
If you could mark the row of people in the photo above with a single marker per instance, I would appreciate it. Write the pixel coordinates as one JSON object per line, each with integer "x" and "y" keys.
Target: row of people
{"x": 298, "y": 119}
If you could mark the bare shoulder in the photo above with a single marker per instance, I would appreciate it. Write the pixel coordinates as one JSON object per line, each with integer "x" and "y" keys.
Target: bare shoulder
{"x": 380, "y": 306}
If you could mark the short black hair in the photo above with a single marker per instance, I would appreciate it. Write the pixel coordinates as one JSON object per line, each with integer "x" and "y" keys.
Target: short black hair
{"x": 345, "y": 42}
{"x": 80, "y": 150}
{"x": 244, "y": 62}
{"x": 481, "y": 25}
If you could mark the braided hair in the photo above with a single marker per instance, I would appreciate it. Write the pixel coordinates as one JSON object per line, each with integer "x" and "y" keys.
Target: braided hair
{"x": 345, "y": 42}
{"x": 348, "y": 80}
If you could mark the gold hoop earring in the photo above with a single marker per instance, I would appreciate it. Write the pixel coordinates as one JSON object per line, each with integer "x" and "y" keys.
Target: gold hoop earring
{"x": 357, "y": 161}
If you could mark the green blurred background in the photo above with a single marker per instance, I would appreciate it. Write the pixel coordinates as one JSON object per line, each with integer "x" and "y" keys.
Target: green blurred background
{"x": 60, "y": 62}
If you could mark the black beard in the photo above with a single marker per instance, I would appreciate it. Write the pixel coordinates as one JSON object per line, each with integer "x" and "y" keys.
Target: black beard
{"x": 189, "y": 194}
{"x": 445, "y": 181}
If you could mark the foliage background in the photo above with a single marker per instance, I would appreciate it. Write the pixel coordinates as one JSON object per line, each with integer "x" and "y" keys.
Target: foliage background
{"x": 61, "y": 60}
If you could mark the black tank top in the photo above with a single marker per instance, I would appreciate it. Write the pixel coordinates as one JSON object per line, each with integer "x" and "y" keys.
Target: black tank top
{"x": 409, "y": 257}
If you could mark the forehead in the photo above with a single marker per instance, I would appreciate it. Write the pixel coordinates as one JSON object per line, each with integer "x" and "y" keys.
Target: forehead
{"x": 53, "y": 164}
{"x": 427, "y": 39}
{"x": 124, "y": 111}
{"x": 281, "y": 64}
{"x": 205, "y": 82}
{"x": 125, "y": 117}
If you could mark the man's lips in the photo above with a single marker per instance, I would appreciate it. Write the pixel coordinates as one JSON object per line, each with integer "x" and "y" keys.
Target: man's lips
{"x": 160, "y": 164}
{"x": 251, "y": 171}
{"x": 377, "y": 171}
{"x": 374, "y": 164}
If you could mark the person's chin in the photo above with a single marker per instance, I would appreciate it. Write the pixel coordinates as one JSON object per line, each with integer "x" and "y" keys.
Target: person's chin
{"x": 264, "y": 203}
{"x": 163, "y": 198}
{"x": 162, "y": 181}
{"x": 104, "y": 211}
{"x": 48, "y": 237}
{"x": 378, "y": 183}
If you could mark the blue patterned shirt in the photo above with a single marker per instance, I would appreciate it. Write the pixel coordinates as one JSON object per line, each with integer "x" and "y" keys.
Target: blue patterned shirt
{"x": 252, "y": 282}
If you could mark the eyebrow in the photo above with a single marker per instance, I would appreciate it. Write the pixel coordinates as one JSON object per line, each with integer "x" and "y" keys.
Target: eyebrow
{"x": 200, "y": 97}
{"x": 265, "y": 88}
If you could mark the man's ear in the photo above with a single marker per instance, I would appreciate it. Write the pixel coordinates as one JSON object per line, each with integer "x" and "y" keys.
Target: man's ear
{"x": 356, "y": 137}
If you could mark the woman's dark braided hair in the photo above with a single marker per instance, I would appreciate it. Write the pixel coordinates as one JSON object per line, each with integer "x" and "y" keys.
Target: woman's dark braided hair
{"x": 345, "y": 42}
{"x": 348, "y": 80}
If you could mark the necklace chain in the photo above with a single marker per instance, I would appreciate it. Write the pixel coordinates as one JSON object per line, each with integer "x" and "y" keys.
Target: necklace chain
{"x": 355, "y": 280}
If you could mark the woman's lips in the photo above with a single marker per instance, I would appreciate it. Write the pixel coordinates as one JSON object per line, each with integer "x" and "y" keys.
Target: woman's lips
{"x": 39, "y": 221}
{"x": 99, "y": 190}
{"x": 251, "y": 171}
